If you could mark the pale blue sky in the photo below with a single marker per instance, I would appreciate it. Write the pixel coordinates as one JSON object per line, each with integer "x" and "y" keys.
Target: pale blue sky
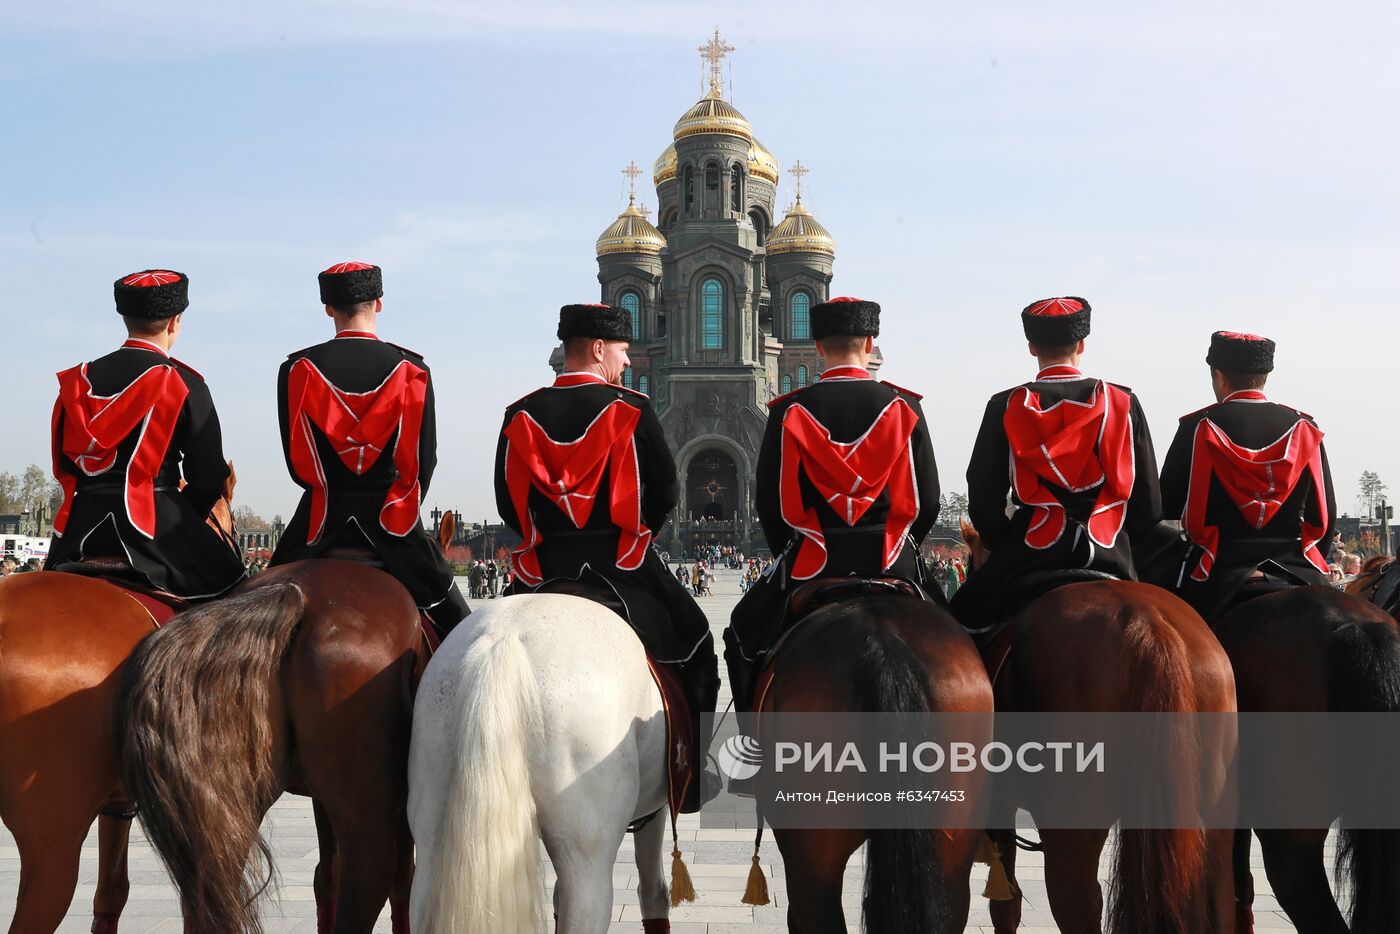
{"x": 1183, "y": 166}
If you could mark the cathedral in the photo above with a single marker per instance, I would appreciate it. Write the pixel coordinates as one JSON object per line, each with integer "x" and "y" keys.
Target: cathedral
{"x": 720, "y": 298}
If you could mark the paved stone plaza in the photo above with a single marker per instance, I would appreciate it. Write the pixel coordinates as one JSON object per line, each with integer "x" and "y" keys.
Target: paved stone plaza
{"x": 718, "y": 860}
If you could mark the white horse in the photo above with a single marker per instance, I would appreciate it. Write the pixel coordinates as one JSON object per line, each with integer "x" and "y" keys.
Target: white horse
{"x": 539, "y": 718}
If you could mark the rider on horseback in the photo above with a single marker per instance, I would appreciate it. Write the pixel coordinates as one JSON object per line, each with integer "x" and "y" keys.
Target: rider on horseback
{"x": 1076, "y": 456}
{"x": 583, "y": 473}
{"x": 359, "y": 433}
{"x": 1249, "y": 480}
{"x": 127, "y": 427}
{"x": 847, "y": 486}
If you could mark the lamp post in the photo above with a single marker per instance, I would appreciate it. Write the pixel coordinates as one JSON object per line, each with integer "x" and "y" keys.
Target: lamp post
{"x": 437, "y": 520}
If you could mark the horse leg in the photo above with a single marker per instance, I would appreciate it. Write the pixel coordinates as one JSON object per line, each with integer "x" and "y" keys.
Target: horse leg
{"x": 113, "y": 884}
{"x": 956, "y": 851}
{"x": 583, "y": 859}
{"x": 1006, "y": 916}
{"x": 652, "y": 893}
{"x": 323, "y": 881}
{"x": 1072, "y": 879}
{"x": 1244, "y": 882}
{"x": 48, "y": 874}
{"x": 1293, "y": 862}
{"x": 402, "y": 887}
{"x": 814, "y": 862}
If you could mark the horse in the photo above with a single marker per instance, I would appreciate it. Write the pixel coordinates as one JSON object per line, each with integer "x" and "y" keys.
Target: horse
{"x": 1108, "y": 646}
{"x": 301, "y": 681}
{"x": 879, "y": 653}
{"x": 65, "y": 638}
{"x": 1309, "y": 649}
{"x": 537, "y": 719}
{"x": 1367, "y": 583}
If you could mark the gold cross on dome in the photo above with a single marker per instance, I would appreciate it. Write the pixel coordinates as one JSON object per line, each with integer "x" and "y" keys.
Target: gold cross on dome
{"x": 797, "y": 171}
{"x": 632, "y": 172}
{"x": 714, "y": 52}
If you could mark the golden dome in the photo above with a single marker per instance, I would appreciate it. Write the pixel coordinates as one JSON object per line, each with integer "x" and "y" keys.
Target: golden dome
{"x": 665, "y": 165}
{"x": 631, "y": 233}
{"x": 761, "y": 162}
{"x": 799, "y": 232}
{"x": 713, "y": 114}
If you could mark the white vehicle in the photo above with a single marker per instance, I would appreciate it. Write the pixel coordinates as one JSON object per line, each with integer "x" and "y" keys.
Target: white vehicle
{"x": 24, "y": 547}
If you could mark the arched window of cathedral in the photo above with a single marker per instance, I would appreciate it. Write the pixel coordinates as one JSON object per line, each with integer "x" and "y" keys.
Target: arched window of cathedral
{"x": 643, "y": 385}
{"x": 736, "y": 189}
{"x": 689, "y": 188}
{"x": 627, "y": 377}
{"x": 759, "y": 226}
{"x": 712, "y": 202}
{"x": 711, "y": 315}
{"x": 800, "y": 317}
{"x": 633, "y": 303}
{"x": 787, "y": 383}
{"x": 801, "y": 376}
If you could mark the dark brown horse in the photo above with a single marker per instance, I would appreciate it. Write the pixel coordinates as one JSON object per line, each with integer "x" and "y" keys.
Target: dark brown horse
{"x": 878, "y": 654}
{"x": 301, "y": 680}
{"x": 1110, "y": 647}
{"x": 63, "y": 640}
{"x": 1366, "y": 583}
{"x": 1311, "y": 649}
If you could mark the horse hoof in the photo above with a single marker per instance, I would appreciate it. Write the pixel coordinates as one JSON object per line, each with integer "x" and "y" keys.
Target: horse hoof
{"x": 104, "y": 923}
{"x": 656, "y": 926}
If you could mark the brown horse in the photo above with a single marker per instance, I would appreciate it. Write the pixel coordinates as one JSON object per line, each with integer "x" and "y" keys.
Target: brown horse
{"x": 64, "y": 638}
{"x": 302, "y": 680}
{"x": 1120, "y": 646}
{"x": 1365, "y": 584}
{"x": 878, "y": 654}
{"x": 1311, "y": 649}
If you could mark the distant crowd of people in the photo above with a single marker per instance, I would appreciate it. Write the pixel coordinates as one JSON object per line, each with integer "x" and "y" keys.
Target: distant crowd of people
{"x": 12, "y": 565}
{"x": 487, "y": 580}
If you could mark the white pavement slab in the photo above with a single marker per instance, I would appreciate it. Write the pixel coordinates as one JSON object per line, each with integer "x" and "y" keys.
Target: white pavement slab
{"x": 718, "y": 861}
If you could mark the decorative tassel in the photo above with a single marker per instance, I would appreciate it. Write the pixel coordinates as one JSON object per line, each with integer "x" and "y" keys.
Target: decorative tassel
{"x": 999, "y": 886}
{"x": 682, "y": 889}
{"x": 986, "y": 851}
{"x": 756, "y": 892}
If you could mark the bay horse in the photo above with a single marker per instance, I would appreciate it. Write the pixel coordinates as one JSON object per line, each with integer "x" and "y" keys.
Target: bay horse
{"x": 1367, "y": 583}
{"x": 1112, "y": 646}
{"x": 879, "y": 653}
{"x": 64, "y": 639}
{"x": 301, "y": 680}
{"x": 1310, "y": 649}
{"x": 537, "y": 719}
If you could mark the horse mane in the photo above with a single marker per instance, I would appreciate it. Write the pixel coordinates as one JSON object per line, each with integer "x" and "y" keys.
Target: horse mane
{"x": 1376, "y": 563}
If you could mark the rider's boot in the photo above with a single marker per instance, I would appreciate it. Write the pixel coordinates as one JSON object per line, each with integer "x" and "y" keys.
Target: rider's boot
{"x": 700, "y": 677}
{"x": 449, "y": 611}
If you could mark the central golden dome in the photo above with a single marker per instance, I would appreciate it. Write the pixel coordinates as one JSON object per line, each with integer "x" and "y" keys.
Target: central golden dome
{"x": 713, "y": 114}
{"x": 631, "y": 233}
{"x": 799, "y": 232}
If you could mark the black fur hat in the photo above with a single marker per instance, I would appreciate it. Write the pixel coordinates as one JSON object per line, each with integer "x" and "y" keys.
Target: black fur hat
{"x": 152, "y": 294}
{"x": 1240, "y": 353}
{"x": 1053, "y": 322}
{"x": 845, "y": 317}
{"x": 600, "y": 322}
{"x": 346, "y": 284}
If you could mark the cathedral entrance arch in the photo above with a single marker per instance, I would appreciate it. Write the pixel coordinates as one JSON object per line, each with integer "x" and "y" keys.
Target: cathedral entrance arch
{"x": 712, "y": 487}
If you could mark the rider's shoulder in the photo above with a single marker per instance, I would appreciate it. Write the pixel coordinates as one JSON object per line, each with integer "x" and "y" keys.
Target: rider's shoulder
{"x": 186, "y": 370}
{"x": 784, "y": 399}
{"x": 907, "y": 393}
{"x": 631, "y": 395}
{"x": 1119, "y": 386}
{"x": 413, "y": 355}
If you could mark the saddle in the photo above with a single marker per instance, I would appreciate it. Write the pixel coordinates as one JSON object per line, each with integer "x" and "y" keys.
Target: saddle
{"x": 160, "y": 604}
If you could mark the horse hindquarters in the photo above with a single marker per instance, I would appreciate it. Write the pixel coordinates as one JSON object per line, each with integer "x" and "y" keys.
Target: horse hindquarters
{"x": 199, "y": 718}
{"x": 1364, "y": 674}
{"x": 470, "y": 803}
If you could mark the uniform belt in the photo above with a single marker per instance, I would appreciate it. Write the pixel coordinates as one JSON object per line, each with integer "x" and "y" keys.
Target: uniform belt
{"x": 119, "y": 486}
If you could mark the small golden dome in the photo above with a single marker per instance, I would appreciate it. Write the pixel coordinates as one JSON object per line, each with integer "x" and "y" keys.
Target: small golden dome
{"x": 713, "y": 114}
{"x": 631, "y": 233}
{"x": 665, "y": 165}
{"x": 799, "y": 232}
{"x": 761, "y": 162}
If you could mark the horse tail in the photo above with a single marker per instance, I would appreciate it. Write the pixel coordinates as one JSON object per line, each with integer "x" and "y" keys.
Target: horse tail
{"x": 1364, "y": 677}
{"x": 195, "y": 720}
{"x": 902, "y": 871}
{"x": 479, "y": 869}
{"x": 1158, "y": 874}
